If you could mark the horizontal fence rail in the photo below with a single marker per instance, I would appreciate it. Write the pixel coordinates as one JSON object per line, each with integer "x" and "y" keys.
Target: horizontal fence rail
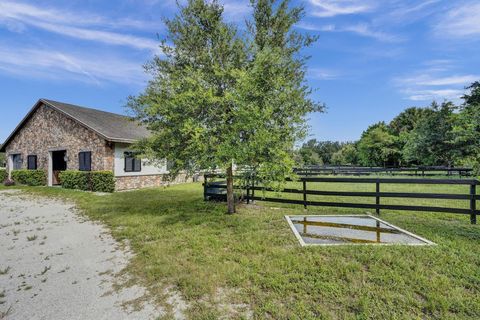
{"x": 406, "y": 171}
{"x": 215, "y": 190}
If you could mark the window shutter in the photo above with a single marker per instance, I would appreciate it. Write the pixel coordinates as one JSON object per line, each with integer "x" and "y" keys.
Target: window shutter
{"x": 32, "y": 162}
{"x": 85, "y": 161}
{"x": 137, "y": 165}
{"x": 81, "y": 161}
{"x": 88, "y": 161}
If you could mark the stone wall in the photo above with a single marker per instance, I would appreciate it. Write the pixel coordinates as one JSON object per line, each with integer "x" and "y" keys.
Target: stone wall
{"x": 150, "y": 181}
{"x": 48, "y": 130}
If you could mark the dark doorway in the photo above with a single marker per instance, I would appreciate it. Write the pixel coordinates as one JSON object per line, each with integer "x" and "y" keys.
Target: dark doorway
{"x": 59, "y": 164}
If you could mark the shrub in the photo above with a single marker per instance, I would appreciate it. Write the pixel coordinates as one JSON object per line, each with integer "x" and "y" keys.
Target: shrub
{"x": 3, "y": 175}
{"x": 8, "y": 182}
{"x": 74, "y": 180}
{"x": 99, "y": 181}
{"x": 30, "y": 177}
{"x": 102, "y": 181}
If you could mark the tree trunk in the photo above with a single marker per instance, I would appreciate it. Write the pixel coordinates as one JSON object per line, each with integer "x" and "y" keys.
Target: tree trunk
{"x": 230, "y": 195}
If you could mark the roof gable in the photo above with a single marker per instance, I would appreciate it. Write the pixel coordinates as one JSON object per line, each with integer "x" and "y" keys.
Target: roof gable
{"x": 110, "y": 126}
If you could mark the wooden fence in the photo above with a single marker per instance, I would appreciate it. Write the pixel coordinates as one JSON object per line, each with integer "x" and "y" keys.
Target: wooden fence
{"x": 423, "y": 171}
{"x": 216, "y": 190}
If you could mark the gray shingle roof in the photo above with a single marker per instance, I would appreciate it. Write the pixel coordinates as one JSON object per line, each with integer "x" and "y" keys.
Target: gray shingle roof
{"x": 111, "y": 126}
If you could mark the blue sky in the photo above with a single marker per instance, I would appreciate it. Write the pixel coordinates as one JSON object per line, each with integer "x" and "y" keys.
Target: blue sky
{"x": 373, "y": 59}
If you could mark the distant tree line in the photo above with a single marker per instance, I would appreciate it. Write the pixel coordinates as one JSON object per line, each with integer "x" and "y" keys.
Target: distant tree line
{"x": 442, "y": 134}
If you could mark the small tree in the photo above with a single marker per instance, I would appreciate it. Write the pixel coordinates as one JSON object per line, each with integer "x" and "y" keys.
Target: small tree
{"x": 217, "y": 98}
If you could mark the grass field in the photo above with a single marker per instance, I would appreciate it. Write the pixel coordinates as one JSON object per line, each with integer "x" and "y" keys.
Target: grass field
{"x": 250, "y": 264}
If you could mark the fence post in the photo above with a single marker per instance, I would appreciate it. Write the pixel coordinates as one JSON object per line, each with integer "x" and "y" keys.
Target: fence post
{"x": 473, "y": 203}
{"x": 304, "y": 194}
{"x": 377, "y": 196}
{"x": 253, "y": 188}
{"x": 205, "y": 182}
{"x": 248, "y": 190}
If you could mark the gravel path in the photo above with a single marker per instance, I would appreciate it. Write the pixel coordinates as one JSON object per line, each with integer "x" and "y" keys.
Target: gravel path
{"x": 54, "y": 264}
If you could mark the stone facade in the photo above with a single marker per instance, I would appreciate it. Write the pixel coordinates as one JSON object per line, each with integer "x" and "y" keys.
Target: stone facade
{"x": 49, "y": 130}
{"x": 149, "y": 181}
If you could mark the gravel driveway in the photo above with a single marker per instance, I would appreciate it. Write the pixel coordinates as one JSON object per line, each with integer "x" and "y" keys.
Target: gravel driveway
{"x": 55, "y": 264}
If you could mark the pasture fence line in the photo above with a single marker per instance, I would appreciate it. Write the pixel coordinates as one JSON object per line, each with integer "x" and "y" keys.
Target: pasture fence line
{"x": 423, "y": 171}
{"x": 216, "y": 190}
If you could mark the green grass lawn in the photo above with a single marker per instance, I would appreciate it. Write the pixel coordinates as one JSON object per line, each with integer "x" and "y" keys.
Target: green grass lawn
{"x": 218, "y": 261}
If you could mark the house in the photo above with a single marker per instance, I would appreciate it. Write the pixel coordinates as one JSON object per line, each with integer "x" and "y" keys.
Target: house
{"x": 56, "y": 136}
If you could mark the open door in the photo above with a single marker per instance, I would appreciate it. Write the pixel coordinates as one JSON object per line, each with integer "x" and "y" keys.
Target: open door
{"x": 59, "y": 164}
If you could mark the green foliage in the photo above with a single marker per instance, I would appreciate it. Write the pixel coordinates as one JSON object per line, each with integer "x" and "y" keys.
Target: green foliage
{"x": 473, "y": 97}
{"x": 378, "y": 146}
{"x": 466, "y": 130}
{"x": 315, "y": 152}
{"x": 97, "y": 181}
{"x": 347, "y": 155}
{"x": 30, "y": 177}
{"x": 431, "y": 142}
{"x": 3, "y": 159}
{"x": 407, "y": 120}
{"x": 102, "y": 181}
{"x": 3, "y": 175}
{"x": 71, "y": 179}
{"x": 217, "y": 96}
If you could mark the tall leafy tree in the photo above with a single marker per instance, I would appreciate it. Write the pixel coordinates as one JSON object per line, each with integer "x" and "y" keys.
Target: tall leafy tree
{"x": 316, "y": 152}
{"x": 466, "y": 129}
{"x": 407, "y": 120}
{"x": 473, "y": 97}
{"x": 347, "y": 155}
{"x": 217, "y": 98}
{"x": 378, "y": 146}
{"x": 431, "y": 142}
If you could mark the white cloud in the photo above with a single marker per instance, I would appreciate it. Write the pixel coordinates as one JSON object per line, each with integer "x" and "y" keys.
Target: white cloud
{"x": 404, "y": 12}
{"x": 83, "y": 26}
{"x": 236, "y": 10}
{"x": 331, "y": 8}
{"x": 361, "y": 29}
{"x": 322, "y": 74}
{"x": 435, "y": 82}
{"x": 32, "y": 62}
{"x": 447, "y": 81}
{"x": 366, "y": 31}
{"x": 430, "y": 95}
{"x": 460, "y": 21}
{"x": 107, "y": 37}
{"x": 23, "y": 11}
{"x": 314, "y": 27}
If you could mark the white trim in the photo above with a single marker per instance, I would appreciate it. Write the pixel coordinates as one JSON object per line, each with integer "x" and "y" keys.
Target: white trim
{"x": 303, "y": 244}
{"x": 10, "y": 165}
{"x": 295, "y": 231}
{"x": 50, "y": 169}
